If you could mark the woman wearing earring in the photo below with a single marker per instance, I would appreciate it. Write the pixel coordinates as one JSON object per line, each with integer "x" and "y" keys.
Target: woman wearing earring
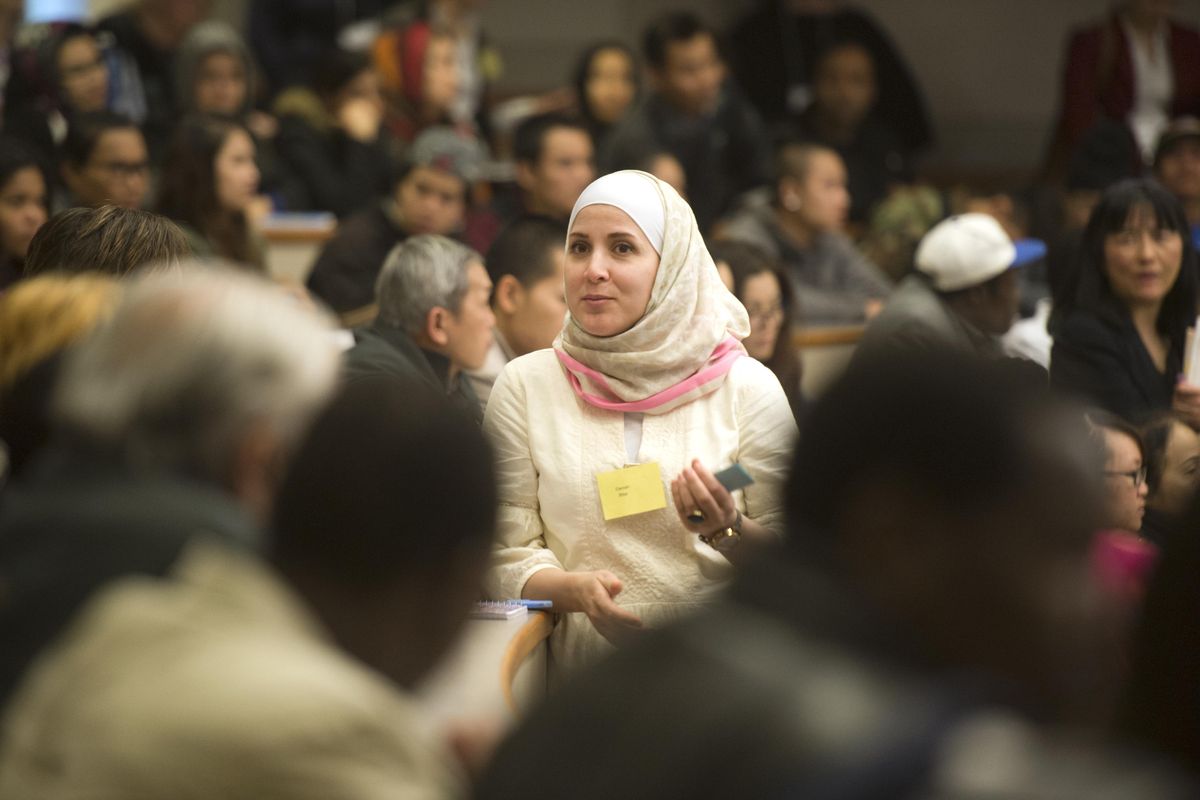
{"x": 607, "y": 444}
{"x": 803, "y": 230}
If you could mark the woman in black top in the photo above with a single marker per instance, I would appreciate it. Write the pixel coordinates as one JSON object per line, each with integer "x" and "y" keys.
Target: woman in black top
{"x": 1121, "y": 318}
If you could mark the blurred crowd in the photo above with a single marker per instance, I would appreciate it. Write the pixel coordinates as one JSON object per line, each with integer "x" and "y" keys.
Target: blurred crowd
{"x": 243, "y": 516}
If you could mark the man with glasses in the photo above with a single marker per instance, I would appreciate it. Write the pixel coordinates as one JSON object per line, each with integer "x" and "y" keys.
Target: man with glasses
{"x": 105, "y": 161}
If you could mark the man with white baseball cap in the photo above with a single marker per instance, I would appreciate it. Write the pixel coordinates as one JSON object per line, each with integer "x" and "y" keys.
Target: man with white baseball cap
{"x": 963, "y": 294}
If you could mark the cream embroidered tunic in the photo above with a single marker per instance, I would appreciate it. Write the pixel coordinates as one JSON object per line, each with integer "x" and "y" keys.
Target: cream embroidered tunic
{"x": 549, "y": 447}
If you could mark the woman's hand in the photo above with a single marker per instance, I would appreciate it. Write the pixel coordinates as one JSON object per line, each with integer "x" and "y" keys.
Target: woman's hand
{"x": 1186, "y": 402}
{"x": 590, "y": 593}
{"x": 360, "y": 119}
{"x": 696, "y": 489}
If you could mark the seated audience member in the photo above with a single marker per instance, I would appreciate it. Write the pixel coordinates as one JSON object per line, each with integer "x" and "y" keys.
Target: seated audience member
{"x": 526, "y": 267}
{"x": 418, "y": 69}
{"x": 666, "y": 168}
{"x": 964, "y": 294}
{"x": 215, "y": 74}
{"x": 24, "y": 203}
{"x": 113, "y": 240}
{"x": 842, "y": 117}
{"x": 1137, "y": 67}
{"x": 429, "y": 196}
{"x": 698, "y": 115}
{"x": 331, "y": 138}
{"x": 39, "y": 319}
{"x": 64, "y": 74}
{"x": 554, "y": 161}
{"x": 1177, "y": 167}
{"x": 965, "y": 482}
{"x": 289, "y": 36}
{"x": 1121, "y": 318}
{"x": 434, "y": 321}
{"x": 151, "y": 31}
{"x": 766, "y": 293}
{"x": 607, "y": 85}
{"x": 802, "y": 230}
{"x": 239, "y": 677}
{"x": 1158, "y": 712}
{"x": 1125, "y": 472}
{"x": 104, "y": 160}
{"x": 774, "y": 53}
{"x": 173, "y": 418}
{"x": 1172, "y": 473}
{"x": 209, "y": 186}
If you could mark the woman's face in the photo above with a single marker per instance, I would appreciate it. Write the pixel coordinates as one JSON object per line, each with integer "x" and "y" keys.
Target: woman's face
{"x": 610, "y": 86}
{"x": 220, "y": 84}
{"x": 235, "y": 171}
{"x": 764, "y": 303}
{"x": 83, "y": 74}
{"x": 22, "y": 210}
{"x": 1142, "y": 260}
{"x": 824, "y": 199}
{"x": 440, "y": 76}
{"x": 1126, "y": 499}
{"x": 610, "y": 270}
{"x": 1180, "y": 472}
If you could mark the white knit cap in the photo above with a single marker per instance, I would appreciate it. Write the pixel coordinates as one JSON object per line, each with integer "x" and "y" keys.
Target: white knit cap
{"x": 628, "y": 191}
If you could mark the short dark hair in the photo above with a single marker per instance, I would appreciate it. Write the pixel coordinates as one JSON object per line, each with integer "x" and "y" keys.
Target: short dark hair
{"x": 1155, "y": 434}
{"x": 390, "y": 481}
{"x": 108, "y": 239}
{"x": 960, "y": 428}
{"x": 523, "y": 249}
{"x": 16, "y": 156}
{"x": 529, "y": 140}
{"x": 1086, "y": 287}
{"x": 85, "y": 131}
{"x": 335, "y": 69}
{"x": 1102, "y": 420}
{"x": 670, "y": 28}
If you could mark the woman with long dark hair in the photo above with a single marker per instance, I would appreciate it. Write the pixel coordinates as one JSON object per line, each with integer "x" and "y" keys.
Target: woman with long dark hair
{"x": 24, "y": 205}
{"x": 209, "y": 181}
{"x": 763, "y": 288}
{"x": 1121, "y": 318}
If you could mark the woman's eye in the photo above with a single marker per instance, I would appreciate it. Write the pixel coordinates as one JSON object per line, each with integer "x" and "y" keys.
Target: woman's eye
{"x": 578, "y": 247}
{"x": 623, "y": 248}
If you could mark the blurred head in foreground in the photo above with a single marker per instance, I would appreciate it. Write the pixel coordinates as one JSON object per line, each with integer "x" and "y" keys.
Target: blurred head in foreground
{"x": 385, "y": 520}
{"x": 204, "y": 373}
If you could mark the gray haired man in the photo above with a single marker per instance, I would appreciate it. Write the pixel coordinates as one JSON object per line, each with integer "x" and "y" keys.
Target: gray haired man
{"x": 434, "y": 320}
{"x": 174, "y": 421}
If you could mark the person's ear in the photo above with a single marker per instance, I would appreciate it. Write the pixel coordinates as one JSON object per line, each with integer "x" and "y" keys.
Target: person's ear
{"x": 256, "y": 468}
{"x": 790, "y": 194}
{"x": 435, "y": 326}
{"x": 524, "y": 175}
{"x": 509, "y": 295}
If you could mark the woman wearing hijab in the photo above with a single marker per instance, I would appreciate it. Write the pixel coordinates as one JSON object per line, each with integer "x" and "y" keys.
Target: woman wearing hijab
{"x": 607, "y": 444}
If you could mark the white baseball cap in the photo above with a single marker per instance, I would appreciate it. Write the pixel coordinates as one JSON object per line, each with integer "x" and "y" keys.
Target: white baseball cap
{"x": 969, "y": 249}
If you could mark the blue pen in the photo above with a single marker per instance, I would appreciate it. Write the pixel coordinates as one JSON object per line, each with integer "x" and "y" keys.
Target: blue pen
{"x": 533, "y": 604}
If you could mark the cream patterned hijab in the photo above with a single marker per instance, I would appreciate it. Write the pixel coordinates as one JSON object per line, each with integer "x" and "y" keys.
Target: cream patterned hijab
{"x": 690, "y": 334}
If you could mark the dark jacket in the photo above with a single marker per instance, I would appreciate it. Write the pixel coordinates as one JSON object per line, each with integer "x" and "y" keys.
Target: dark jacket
{"x": 723, "y": 154}
{"x": 338, "y": 173}
{"x": 789, "y": 689}
{"x": 384, "y": 350}
{"x": 345, "y": 272}
{"x": 78, "y": 523}
{"x": 1105, "y": 363}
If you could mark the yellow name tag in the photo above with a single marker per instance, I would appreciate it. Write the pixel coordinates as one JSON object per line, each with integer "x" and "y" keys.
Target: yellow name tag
{"x": 631, "y": 490}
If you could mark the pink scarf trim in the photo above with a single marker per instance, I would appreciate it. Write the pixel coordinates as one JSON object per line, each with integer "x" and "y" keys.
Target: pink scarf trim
{"x": 705, "y": 380}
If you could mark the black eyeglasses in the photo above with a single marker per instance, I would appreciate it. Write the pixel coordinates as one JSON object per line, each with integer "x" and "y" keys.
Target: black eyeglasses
{"x": 1138, "y": 476}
